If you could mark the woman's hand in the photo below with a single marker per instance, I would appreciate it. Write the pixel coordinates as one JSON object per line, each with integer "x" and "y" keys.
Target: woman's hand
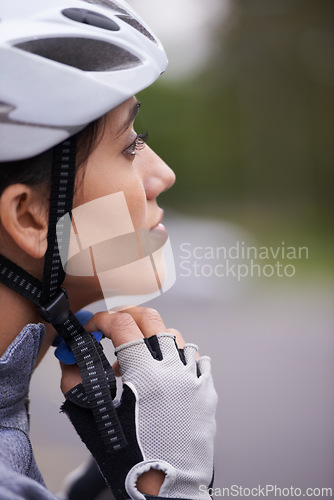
{"x": 167, "y": 410}
{"x": 120, "y": 328}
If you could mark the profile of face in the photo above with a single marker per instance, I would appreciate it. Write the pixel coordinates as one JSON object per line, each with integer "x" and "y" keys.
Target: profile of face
{"x": 118, "y": 248}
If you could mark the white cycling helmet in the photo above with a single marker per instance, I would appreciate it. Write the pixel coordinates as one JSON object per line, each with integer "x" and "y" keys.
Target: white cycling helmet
{"x": 65, "y": 63}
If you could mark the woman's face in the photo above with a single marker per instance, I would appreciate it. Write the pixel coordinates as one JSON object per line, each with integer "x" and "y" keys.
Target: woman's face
{"x": 115, "y": 207}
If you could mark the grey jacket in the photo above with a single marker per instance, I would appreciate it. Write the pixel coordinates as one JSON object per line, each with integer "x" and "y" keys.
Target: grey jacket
{"x": 19, "y": 474}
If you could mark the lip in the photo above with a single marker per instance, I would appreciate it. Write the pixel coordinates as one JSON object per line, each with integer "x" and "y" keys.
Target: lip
{"x": 158, "y": 224}
{"x": 159, "y": 227}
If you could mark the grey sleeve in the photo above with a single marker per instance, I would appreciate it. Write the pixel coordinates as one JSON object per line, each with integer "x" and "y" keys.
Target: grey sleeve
{"x": 16, "y": 486}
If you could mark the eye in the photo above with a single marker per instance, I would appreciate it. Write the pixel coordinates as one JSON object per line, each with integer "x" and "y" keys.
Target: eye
{"x": 137, "y": 144}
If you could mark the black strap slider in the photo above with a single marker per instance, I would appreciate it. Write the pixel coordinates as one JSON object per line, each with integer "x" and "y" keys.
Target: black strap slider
{"x": 57, "y": 310}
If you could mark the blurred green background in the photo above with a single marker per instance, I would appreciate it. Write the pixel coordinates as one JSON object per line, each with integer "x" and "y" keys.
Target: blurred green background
{"x": 250, "y": 136}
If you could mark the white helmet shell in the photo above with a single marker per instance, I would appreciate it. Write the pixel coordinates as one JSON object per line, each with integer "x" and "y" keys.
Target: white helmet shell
{"x": 65, "y": 63}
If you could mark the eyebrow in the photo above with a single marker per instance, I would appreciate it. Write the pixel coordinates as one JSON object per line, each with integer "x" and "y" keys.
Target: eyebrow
{"x": 132, "y": 115}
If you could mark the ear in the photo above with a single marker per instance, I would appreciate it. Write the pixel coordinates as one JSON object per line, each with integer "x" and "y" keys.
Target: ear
{"x": 24, "y": 218}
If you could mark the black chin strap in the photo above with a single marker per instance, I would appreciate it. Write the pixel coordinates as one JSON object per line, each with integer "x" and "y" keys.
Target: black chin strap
{"x": 98, "y": 379}
{"x": 62, "y": 187}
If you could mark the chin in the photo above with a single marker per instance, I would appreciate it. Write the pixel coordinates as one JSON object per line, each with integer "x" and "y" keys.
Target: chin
{"x": 143, "y": 275}
{"x": 129, "y": 266}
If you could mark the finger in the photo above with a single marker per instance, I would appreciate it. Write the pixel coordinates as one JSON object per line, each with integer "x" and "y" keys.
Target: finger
{"x": 180, "y": 342}
{"x": 178, "y": 337}
{"x": 148, "y": 320}
{"x": 190, "y": 352}
{"x": 204, "y": 365}
{"x": 119, "y": 327}
{"x": 70, "y": 377}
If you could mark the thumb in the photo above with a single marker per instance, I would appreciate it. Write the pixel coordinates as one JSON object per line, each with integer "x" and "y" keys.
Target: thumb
{"x": 70, "y": 377}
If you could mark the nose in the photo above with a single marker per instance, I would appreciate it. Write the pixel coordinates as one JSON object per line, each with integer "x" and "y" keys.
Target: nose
{"x": 158, "y": 176}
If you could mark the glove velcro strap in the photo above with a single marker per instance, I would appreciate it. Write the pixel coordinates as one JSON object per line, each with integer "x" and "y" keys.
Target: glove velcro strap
{"x": 113, "y": 466}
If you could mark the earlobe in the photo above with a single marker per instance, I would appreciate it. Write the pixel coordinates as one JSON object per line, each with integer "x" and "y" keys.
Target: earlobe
{"x": 24, "y": 219}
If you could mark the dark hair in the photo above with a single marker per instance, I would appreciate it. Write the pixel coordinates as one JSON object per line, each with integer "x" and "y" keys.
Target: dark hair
{"x": 37, "y": 170}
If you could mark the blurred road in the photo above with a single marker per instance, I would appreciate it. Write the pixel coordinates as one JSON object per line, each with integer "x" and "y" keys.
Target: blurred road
{"x": 272, "y": 347}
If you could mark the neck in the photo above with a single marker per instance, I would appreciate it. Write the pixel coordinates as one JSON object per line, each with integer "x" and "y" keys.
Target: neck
{"x": 16, "y": 313}
{"x": 82, "y": 291}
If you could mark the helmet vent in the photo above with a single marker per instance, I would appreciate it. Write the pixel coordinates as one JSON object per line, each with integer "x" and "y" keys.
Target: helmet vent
{"x": 86, "y": 54}
{"x": 91, "y": 18}
{"x": 124, "y": 15}
{"x": 136, "y": 25}
{"x": 109, "y": 4}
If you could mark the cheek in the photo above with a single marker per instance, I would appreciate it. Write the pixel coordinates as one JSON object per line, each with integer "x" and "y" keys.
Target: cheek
{"x": 136, "y": 201}
{"x": 103, "y": 180}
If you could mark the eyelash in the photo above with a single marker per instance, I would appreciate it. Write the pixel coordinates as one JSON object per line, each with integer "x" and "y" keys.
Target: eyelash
{"x": 137, "y": 144}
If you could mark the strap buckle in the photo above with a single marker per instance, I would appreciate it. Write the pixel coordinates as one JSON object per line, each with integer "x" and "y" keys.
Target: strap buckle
{"x": 57, "y": 310}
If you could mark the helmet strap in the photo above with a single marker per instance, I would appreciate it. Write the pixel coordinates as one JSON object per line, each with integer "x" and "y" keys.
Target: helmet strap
{"x": 62, "y": 187}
